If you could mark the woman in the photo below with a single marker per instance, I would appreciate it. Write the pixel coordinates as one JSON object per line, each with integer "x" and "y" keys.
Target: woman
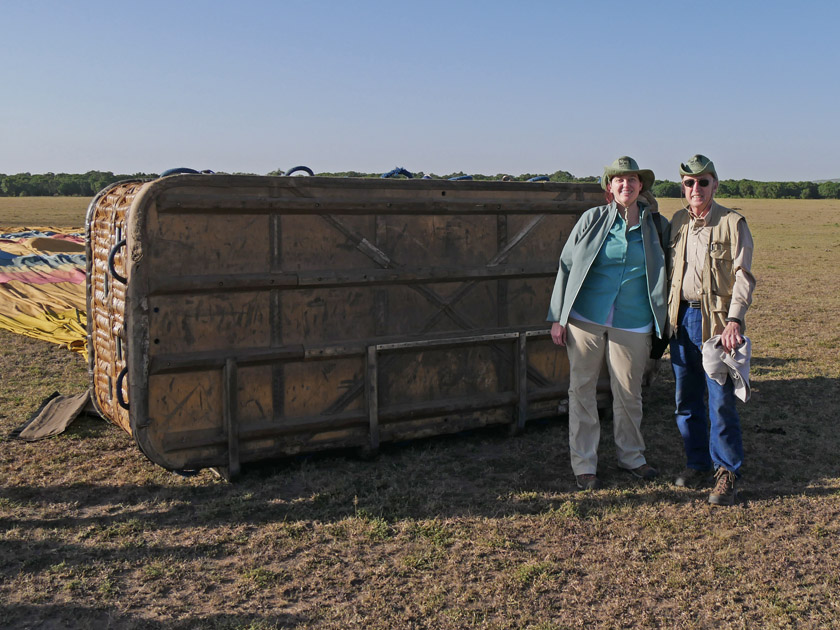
{"x": 609, "y": 295}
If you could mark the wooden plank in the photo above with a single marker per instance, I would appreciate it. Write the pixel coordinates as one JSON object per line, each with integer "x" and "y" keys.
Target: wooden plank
{"x": 185, "y": 204}
{"x": 372, "y": 396}
{"x": 183, "y": 362}
{"x": 448, "y": 342}
{"x": 393, "y": 414}
{"x": 230, "y": 419}
{"x": 522, "y": 381}
{"x": 479, "y": 402}
{"x": 329, "y": 278}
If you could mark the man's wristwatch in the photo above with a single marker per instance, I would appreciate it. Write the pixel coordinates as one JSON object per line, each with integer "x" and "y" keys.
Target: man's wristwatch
{"x": 736, "y": 320}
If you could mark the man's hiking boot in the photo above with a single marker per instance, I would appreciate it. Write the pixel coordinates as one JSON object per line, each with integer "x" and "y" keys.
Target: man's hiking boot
{"x": 588, "y": 482}
{"x": 724, "y": 491}
{"x": 645, "y": 472}
{"x": 692, "y": 478}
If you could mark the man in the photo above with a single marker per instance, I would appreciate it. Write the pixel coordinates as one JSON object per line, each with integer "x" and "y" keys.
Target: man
{"x": 711, "y": 289}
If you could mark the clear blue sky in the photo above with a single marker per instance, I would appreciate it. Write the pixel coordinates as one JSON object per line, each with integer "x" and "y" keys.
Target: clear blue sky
{"x": 481, "y": 87}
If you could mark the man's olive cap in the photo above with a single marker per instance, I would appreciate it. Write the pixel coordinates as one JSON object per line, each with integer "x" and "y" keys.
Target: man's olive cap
{"x": 698, "y": 165}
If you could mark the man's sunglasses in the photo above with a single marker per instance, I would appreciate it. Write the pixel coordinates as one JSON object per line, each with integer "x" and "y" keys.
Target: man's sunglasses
{"x": 689, "y": 183}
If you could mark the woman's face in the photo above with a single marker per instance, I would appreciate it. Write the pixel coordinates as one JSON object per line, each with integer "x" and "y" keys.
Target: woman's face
{"x": 625, "y": 188}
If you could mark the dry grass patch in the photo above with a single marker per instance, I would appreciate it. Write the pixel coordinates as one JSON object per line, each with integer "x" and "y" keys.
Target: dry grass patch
{"x": 41, "y": 211}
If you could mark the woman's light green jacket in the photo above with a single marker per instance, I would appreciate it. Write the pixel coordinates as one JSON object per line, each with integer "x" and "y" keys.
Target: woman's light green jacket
{"x": 583, "y": 246}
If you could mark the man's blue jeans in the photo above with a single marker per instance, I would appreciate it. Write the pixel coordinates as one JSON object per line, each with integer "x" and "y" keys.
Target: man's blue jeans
{"x": 720, "y": 445}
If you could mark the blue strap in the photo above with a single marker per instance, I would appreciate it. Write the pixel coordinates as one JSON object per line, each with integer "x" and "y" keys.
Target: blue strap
{"x": 178, "y": 171}
{"x": 397, "y": 171}
{"x": 305, "y": 169}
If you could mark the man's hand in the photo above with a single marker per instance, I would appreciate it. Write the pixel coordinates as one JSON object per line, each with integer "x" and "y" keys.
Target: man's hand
{"x": 730, "y": 338}
{"x": 558, "y": 334}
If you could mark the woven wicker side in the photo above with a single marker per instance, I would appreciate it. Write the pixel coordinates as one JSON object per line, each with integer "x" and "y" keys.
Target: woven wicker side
{"x": 106, "y": 288}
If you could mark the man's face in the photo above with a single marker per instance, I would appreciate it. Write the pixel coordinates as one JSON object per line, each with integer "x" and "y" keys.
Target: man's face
{"x": 625, "y": 188}
{"x": 699, "y": 191}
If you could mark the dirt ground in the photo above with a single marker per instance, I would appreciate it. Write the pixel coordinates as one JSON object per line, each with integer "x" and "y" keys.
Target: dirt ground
{"x": 476, "y": 530}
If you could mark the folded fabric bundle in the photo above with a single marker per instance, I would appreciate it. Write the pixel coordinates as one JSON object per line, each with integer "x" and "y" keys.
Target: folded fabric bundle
{"x": 720, "y": 363}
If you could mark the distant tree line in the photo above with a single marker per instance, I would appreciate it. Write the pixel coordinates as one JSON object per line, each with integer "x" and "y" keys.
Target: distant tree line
{"x": 90, "y": 183}
{"x": 759, "y": 190}
{"x": 61, "y": 184}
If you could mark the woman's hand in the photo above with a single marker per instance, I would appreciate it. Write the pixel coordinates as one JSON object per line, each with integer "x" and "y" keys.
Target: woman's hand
{"x": 558, "y": 334}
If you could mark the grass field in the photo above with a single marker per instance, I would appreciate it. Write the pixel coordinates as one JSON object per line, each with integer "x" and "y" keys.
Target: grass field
{"x": 42, "y": 211}
{"x": 470, "y": 531}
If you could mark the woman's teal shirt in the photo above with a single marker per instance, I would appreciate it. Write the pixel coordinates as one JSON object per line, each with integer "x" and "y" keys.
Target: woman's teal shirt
{"x": 616, "y": 283}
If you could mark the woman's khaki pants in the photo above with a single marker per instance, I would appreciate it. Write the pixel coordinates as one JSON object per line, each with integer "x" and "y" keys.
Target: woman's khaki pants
{"x": 626, "y": 355}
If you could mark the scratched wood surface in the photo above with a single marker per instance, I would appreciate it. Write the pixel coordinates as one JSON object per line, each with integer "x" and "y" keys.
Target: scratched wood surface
{"x": 265, "y": 316}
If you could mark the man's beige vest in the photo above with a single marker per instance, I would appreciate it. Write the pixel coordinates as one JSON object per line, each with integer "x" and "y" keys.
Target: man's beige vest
{"x": 718, "y": 276}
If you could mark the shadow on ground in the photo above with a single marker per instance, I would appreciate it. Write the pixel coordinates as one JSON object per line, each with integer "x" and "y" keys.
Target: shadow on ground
{"x": 789, "y": 440}
{"x": 70, "y": 617}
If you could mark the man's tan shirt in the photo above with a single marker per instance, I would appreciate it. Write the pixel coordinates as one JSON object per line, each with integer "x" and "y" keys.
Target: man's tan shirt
{"x": 697, "y": 246}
